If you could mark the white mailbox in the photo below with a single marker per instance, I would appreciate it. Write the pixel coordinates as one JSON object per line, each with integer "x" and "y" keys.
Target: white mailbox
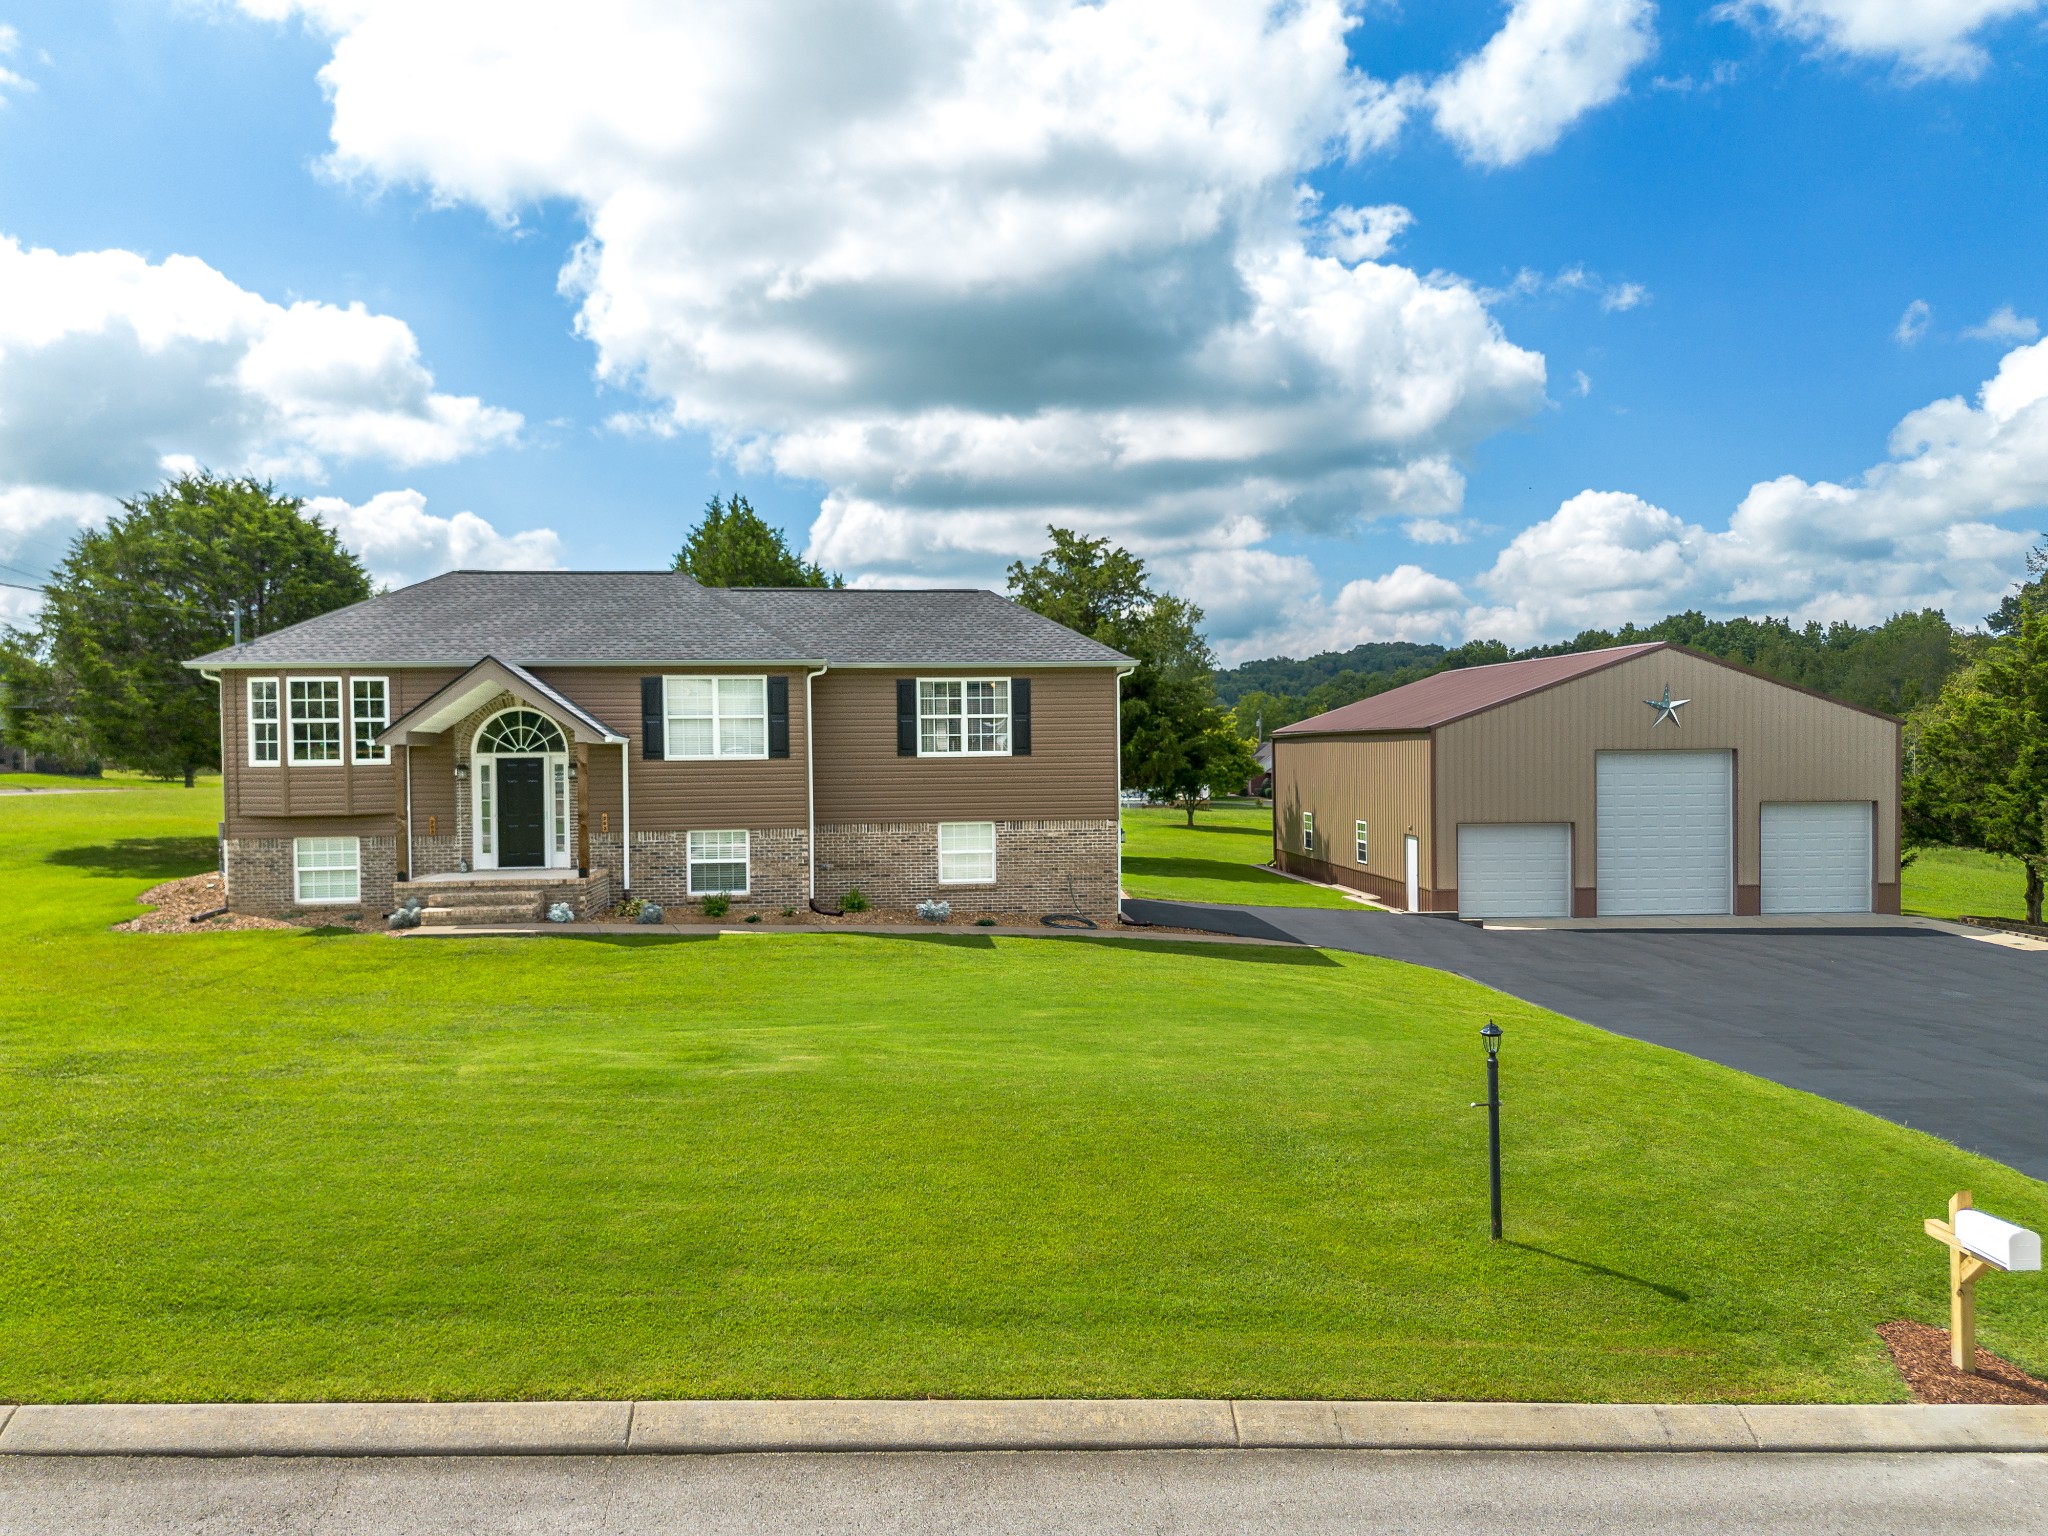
{"x": 1997, "y": 1242}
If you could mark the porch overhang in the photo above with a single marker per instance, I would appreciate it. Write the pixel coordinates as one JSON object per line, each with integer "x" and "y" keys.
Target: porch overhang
{"x": 482, "y": 683}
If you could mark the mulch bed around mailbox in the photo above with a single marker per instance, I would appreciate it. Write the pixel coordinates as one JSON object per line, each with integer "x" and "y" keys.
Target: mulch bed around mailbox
{"x": 1921, "y": 1354}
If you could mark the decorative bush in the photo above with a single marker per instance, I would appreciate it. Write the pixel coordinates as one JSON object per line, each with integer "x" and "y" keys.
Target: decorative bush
{"x": 561, "y": 912}
{"x": 984, "y": 922}
{"x": 407, "y": 916}
{"x": 753, "y": 917}
{"x": 789, "y": 911}
{"x": 853, "y": 901}
{"x": 935, "y": 911}
{"x": 717, "y": 906}
{"x": 630, "y": 909}
{"x": 649, "y": 912}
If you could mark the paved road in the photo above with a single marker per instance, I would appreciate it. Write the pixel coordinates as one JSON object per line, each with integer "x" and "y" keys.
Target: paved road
{"x": 1941, "y": 1033}
{"x": 1300, "y": 1493}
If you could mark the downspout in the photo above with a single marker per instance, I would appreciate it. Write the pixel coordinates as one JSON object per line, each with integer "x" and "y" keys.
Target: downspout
{"x": 811, "y": 782}
{"x": 626, "y": 814}
{"x": 222, "y": 841}
{"x": 1118, "y": 724}
{"x": 408, "y": 806}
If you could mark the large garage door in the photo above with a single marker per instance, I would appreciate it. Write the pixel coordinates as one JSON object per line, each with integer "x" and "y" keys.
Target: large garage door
{"x": 1817, "y": 856}
{"x": 1518, "y": 870}
{"x": 1666, "y": 834}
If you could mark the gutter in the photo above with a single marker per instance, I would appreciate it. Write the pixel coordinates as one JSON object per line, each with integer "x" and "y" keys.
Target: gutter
{"x": 811, "y": 782}
{"x": 1118, "y": 723}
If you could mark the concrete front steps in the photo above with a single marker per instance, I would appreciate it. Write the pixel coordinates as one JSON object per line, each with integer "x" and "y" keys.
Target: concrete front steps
{"x": 487, "y": 901}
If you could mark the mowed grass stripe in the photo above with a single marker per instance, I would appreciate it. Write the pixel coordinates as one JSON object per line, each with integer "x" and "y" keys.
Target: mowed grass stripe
{"x": 283, "y": 1166}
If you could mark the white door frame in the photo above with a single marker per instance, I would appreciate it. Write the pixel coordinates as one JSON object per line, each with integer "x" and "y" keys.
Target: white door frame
{"x": 483, "y": 780}
{"x": 1412, "y": 859}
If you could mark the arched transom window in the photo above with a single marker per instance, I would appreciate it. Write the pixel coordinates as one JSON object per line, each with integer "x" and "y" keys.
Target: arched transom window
{"x": 521, "y": 730}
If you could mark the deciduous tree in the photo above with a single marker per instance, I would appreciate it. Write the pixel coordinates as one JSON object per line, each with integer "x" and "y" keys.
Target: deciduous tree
{"x": 99, "y": 674}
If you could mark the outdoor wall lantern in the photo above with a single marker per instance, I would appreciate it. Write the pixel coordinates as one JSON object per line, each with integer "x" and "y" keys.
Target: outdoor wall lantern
{"x": 572, "y": 770}
{"x": 1491, "y": 1036}
{"x": 1976, "y": 1241}
{"x": 462, "y": 770}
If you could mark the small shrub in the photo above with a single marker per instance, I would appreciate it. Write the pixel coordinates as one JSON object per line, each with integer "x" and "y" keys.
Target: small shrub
{"x": 650, "y": 912}
{"x": 753, "y": 917}
{"x": 984, "y": 922}
{"x": 717, "y": 906}
{"x": 853, "y": 901}
{"x": 935, "y": 911}
{"x": 629, "y": 909}
{"x": 789, "y": 911}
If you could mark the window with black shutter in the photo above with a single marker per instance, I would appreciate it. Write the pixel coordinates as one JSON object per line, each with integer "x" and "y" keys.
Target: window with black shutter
{"x": 906, "y": 717}
{"x": 778, "y": 717}
{"x": 1020, "y": 717}
{"x": 650, "y": 717}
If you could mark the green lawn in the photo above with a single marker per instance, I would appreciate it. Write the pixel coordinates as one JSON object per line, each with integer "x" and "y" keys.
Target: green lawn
{"x": 275, "y": 1165}
{"x": 113, "y": 779}
{"x": 1954, "y": 882}
{"x": 1216, "y": 859}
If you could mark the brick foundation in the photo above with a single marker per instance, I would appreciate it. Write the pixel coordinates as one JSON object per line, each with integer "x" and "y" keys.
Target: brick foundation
{"x": 778, "y": 868}
{"x": 262, "y": 877}
{"x": 1041, "y": 867}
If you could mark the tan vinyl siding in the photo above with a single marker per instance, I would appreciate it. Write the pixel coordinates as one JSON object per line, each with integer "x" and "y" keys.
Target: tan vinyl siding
{"x": 261, "y": 800}
{"x": 1382, "y": 780}
{"x": 1534, "y": 759}
{"x": 677, "y": 796}
{"x": 1069, "y": 776}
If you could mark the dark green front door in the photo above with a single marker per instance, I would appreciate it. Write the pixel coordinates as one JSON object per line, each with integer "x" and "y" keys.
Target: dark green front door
{"x": 522, "y": 813}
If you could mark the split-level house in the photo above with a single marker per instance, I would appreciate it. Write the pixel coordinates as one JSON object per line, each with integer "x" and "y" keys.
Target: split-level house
{"x": 510, "y": 740}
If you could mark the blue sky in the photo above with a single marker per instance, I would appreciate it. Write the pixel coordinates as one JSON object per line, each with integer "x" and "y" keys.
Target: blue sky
{"x": 1360, "y": 322}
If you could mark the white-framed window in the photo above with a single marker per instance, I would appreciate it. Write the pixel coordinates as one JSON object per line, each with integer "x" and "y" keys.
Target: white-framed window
{"x": 715, "y": 716}
{"x": 1308, "y": 831}
{"x": 967, "y": 852}
{"x": 963, "y": 716}
{"x": 265, "y": 742}
{"x": 718, "y": 863}
{"x": 314, "y": 719}
{"x": 1362, "y": 843}
{"x": 327, "y": 869}
{"x": 369, "y": 711}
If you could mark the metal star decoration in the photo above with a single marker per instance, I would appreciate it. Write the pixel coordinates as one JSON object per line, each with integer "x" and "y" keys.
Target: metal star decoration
{"x": 1667, "y": 708}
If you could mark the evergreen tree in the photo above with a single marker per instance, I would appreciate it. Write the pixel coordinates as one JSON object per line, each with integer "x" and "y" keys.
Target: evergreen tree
{"x": 734, "y": 547}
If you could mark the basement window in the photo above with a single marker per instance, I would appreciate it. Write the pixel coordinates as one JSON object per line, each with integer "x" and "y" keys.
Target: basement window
{"x": 327, "y": 869}
{"x": 1308, "y": 831}
{"x": 718, "y": 863}
{"x": 967, "y": 852}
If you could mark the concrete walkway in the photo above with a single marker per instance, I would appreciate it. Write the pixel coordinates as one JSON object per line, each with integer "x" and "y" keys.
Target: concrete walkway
{"x": 610, "y": 1428}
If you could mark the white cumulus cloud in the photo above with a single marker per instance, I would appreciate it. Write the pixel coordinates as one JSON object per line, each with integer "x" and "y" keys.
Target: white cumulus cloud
{"x": 402, "y": 542}
{"x": 974, "y": 266}
{"x": 1551, "y": 62}
{"x": 1912, "y": 323}
{"x": 1924, "y": 37}
{"x": 10, "y": 44}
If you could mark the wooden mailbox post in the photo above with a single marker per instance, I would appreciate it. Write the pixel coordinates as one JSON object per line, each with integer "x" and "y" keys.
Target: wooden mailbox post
{"x": 1976, "y": 1242}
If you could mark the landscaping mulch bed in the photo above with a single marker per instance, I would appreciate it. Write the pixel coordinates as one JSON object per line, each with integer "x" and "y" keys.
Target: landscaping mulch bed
{"x": 177, "y": 902}
{"x": 2008, "y": 925}
{"x": 1921, "y": 1354}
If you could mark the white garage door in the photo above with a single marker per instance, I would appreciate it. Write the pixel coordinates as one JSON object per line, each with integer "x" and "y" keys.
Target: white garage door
{"x": 1817, "y": 856}
{"x": 1515, "y": 870}
{"x": 1666, "y": 835}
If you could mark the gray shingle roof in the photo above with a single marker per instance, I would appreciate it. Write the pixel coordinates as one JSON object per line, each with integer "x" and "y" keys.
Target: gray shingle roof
{"x": 555, "y": 618}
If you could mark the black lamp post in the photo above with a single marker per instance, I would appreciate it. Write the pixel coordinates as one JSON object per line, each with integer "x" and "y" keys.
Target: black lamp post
{"x": 1491, "y": 1035}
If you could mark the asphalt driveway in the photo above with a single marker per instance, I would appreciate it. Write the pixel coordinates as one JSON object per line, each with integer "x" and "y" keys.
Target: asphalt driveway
{"x": 1940, "y": 1033}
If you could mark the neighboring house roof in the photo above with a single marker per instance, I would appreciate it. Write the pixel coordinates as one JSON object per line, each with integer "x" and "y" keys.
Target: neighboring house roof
{"x": 1437, "y": 700}
{"x": 557, "y": 618}
{"x": 1264, "y": 756}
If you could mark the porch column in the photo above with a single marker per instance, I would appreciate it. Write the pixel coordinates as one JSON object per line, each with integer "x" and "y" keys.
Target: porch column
{"x": 583, "y": 809}
{"x": 404, "y": 766}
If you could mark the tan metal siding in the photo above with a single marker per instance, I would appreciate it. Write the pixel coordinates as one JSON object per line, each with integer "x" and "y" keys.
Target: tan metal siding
{"x": 1533, "y": 759}
{"x": 1383, "y": 780}
{"x": 1069, "y": 776}
{"x": 678, "y": 796}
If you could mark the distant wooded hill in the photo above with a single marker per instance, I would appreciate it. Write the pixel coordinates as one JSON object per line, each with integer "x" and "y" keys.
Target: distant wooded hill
{"x": 1894, "y": 666}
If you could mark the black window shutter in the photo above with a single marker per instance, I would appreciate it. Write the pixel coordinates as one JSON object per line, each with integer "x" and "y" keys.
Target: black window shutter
{"x": 1020, "y": 717}
{"x": 906, "y": 717}
{"x": 650, "y": 718}
{"x": 778, "y": 717}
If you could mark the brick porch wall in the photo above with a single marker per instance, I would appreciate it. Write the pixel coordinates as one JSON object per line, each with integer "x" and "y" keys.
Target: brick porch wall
{"x": 1041, "y": 867}
{"x": 262, "y": 879}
